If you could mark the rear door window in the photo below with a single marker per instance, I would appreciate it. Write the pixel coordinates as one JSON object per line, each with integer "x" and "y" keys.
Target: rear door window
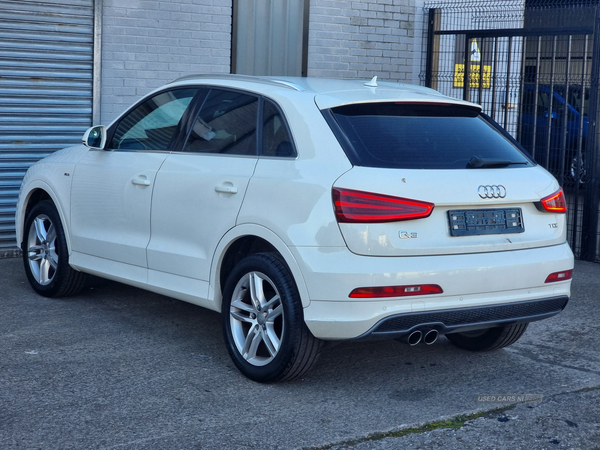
{"x": 420, "y": 136}
{"x": 226, "y": 124}
{"x": 276, "y": 139}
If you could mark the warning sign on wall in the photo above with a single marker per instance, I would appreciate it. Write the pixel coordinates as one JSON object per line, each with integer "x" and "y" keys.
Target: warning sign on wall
{"x": 474, "y": 76}
{"x": 477, "y": 60}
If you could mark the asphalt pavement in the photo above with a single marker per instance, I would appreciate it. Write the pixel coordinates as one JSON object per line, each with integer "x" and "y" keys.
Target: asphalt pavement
{"x": 120, "y": 368}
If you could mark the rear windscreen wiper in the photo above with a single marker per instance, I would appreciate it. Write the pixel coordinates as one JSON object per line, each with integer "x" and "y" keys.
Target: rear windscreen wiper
{"x": 476, "y": 162}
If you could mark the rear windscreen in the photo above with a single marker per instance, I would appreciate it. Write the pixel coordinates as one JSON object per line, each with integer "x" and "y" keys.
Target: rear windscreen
{"x": 421, "y": 136}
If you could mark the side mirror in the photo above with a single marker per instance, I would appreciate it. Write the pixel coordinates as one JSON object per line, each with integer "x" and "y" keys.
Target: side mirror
{"x": 95, "y": 137}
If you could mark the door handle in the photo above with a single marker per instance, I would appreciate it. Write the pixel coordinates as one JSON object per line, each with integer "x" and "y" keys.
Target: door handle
{"x": 226, "y": 189}
{"x": 140, "y": 181}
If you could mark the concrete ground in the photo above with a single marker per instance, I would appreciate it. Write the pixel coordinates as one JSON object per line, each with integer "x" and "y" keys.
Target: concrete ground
{"x": 117, "y": 367}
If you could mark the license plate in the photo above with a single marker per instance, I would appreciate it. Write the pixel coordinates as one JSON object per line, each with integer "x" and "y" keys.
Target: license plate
{"x": 473, "y": 222}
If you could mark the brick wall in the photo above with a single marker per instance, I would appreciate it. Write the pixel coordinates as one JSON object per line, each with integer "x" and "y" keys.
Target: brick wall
{"x": 146, "y": 43}
{"x": 360, "y": 39}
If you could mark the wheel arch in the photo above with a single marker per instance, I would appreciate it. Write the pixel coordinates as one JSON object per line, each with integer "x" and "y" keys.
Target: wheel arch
{"x": 35, "y": 193}
{"x": 246, "y": 240}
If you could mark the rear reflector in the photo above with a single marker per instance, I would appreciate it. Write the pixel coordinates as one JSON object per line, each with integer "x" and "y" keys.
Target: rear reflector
{"x": 396, "y": 291}
{"x": 365, "y": 207}
{"x": 555, "y": 203}
{"x": 560, "y": 276}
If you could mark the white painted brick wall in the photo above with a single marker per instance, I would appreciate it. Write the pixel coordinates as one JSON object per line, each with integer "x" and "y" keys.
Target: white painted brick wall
{"x": 146, "y": 43}
{"x": 363, "y": 38}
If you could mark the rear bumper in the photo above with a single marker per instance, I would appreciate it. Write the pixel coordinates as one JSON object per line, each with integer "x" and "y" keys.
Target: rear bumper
{"x": 467, "y": 319}
{"x": 481, "y": 284}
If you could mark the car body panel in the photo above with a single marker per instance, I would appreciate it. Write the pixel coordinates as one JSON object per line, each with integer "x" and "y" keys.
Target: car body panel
{"x": 52, "y": 175}
{"x": 111, "y": 199}
{"x": 452, "y": 190}
{"x": 467, "y": 280}
{"x": 189, "y": 216}
{"x": 215, "y": 293}
{"x": 164, "y": 237}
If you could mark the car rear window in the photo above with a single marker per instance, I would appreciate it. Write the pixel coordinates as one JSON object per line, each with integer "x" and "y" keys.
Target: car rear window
{"x": 421, "y": 136}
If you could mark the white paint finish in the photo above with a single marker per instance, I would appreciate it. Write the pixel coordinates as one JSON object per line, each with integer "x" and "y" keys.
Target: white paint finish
{"x": 182, "y": 288}
{"x": 348, "y": 320}
{"x": 106, "y": 268}
{"x": 452, "y": 190}
{"x": 384, "y": 93}
{"x": 110, "y": 214}
{"x": 251, "y": 229}
{"x": 188, "y": 216}
{"x": 332, "y": 273}
{"x": 54, "y": 176}
{"x": 287, "y": 202}
{"x": 293, "y": 199}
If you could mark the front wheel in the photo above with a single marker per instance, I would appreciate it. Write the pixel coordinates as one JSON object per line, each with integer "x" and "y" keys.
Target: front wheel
{"x": 263, "y": 322}
{"x": 45, "y": 254}
{"x": 488, "y": 339}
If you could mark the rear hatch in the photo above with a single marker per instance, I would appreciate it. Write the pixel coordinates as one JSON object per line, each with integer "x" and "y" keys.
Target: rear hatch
{"x": 432, "y": 179}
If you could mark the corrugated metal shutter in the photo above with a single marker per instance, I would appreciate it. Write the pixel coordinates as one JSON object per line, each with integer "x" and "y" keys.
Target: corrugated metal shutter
{"x": 269, "y": 37}
{"x": 46, "y": 82}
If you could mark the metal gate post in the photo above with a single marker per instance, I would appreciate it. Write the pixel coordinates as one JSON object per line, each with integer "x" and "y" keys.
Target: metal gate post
{"x": 589, "y": 239}
{"x": 433, "y": 46}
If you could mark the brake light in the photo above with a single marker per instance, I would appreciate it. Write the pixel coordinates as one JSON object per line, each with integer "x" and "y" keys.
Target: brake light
{"x": 560, "y": 276}
{"x": 365, "y": 207}
{"x": 395, "y": 291}
{"x": 555, "y": 203}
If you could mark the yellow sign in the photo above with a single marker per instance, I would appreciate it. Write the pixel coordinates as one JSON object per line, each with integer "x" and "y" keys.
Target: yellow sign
{"x": 474, "y": 76}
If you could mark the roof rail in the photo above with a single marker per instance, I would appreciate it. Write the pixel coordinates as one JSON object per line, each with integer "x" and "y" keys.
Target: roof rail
{"x": 237, "y": 77}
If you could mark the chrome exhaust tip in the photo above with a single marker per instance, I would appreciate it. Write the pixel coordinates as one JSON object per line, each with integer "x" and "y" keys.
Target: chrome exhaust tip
{"x": 431, "y": 336}
{"x": 414, "y": 338}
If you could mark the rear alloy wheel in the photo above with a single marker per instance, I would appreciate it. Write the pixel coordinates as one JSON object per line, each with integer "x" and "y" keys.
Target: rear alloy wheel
{"x": 45, "y": 254}
{"x": 263, "y": 323}
{"x": 488, "y": 339}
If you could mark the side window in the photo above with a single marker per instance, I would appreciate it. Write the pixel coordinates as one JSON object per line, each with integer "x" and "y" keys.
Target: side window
{"x": 226, "y": 124}
{"x": 151, "y": 125}
{"x": 276, "y": 139}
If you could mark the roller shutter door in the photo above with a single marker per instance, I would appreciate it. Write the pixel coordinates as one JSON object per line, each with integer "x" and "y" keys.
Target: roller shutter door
{"x": 46, "y": 84}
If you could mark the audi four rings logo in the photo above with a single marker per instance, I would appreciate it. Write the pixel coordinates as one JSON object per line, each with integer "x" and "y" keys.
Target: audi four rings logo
{"x": 492, "y": 191}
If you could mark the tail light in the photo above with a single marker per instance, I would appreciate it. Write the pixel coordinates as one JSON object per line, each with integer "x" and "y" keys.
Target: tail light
{"x": 555, "y": 203}
{"x": 365, "y": 207}
{"x": 396, "y": 291}
{"x": 560, "y": 276}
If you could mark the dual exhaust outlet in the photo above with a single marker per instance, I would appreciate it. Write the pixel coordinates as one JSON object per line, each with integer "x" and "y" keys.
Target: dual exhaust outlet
{"x": 427, "y": 336}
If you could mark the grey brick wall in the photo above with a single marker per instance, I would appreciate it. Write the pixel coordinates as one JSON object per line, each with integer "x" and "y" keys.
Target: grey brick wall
{"x": 363, "y": 38}
{"x": 146, "y": 43}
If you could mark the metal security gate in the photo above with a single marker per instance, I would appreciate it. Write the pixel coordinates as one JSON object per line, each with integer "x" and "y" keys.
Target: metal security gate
{"x": 534, "y": 66}
{"x": 46, "y": 86}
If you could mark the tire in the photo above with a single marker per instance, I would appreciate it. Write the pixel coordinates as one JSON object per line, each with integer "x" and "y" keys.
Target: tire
{"x": 488, "y": 339}
{"x": 263, "y": 323}
{"x": 45, "y": 254}
{"x": 577, "y": 165}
